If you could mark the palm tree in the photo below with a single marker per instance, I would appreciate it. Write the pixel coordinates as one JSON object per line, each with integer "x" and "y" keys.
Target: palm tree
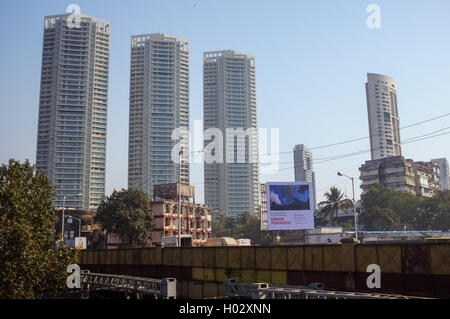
{"x": 333, "y": 202}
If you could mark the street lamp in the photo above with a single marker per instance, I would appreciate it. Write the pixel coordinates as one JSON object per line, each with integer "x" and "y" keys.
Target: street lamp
{"x": 354, "y": 204}
{"x": 79, "y": 224}
{"x": 64, "y": 204}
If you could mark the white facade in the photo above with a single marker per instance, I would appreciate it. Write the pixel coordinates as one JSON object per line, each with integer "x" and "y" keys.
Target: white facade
{"x": 229, "y": 101}
{"x": 71, "y": 145}
{"x": 382, "y": 109}
{"x": 444, "y": 174}
{"x": 303, "y": 168}
{"x": 159, "y": 104}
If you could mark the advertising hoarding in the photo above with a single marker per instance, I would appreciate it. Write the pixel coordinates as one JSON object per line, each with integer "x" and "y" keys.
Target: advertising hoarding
{"x": 80, "y": 242}
{"x": 289, "y": 206}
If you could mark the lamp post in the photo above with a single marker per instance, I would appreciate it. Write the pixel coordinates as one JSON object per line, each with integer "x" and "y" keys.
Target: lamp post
{"x": 79, "y": 225}
{"x": 354, "y": 204}
{"x": 64, "y": 204}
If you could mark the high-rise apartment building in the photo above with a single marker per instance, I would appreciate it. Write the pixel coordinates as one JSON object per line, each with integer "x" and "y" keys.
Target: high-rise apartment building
{"x": 303, "y": 168}
{"x": 382, "y": 109}
{"x": 71, "y": 138}
{"x": 159, "y": 104}
{"x": 229, "y": 102}
{"x": 444, "y": 172}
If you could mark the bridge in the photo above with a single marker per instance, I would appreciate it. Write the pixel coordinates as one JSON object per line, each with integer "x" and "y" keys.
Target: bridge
{"x": 266, "y": 291}
{"x": 159, "y": 288}
{"x": 406, "y": 269}
{"x": 166, "y": 289}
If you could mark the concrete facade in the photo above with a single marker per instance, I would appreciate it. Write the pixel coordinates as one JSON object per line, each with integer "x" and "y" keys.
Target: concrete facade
{"x": 71, "y": 137}
{"x": 405, "y": 175}
{"x": 159, "y": 104}
{"x": 229, "y": 101}
{"x": 303, "y": 168}
{"x": 444, "y": 172}
{"x": 263, "y": 205}
{"x": 196, "y": 218}
{"x": 382, "y": 110}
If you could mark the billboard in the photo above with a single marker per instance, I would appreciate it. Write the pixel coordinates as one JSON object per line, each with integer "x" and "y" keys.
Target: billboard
{"x": 289, "y": 206}
{"x": 80, "y": 242}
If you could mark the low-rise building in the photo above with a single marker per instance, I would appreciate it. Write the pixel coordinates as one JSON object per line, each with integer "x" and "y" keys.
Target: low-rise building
{"x": 405, "y": 175}
{"x": 196, "y": 218}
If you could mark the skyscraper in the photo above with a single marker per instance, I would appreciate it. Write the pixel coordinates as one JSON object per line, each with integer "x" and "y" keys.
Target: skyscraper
{"x": 229, "y": 101}
{"x": 382, "y": 109}
{"x": 159, "y": 104}
{"x": 444, "y": 172}
{"x": 303, "y": 168}
{"x": 71, "y": 143}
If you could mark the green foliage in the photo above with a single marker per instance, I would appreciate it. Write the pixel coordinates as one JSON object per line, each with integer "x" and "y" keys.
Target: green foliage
{"x": 30, "y": 264}
{"x": 127, "y": 214}
{"x": 434, "y": 213}
{"x": 334, "y": 201}
{"x": 245, "y": 225}
{"x": 376, "y": 218}
{"x": 384, "y": 208}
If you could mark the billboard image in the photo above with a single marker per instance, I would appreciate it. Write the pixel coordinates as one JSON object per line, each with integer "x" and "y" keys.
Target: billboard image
{"x": 289, "y": 206}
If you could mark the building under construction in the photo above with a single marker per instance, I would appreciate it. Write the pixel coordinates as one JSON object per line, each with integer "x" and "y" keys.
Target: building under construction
{"x": 196, "y": 218}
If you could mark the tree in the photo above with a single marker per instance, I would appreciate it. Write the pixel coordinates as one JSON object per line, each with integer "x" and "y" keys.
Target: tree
{"x": 376, "y": 218}
{"x": 128, "y": 215}
{"x": 223, "y": 226}
{"x": 245, "y": 225}
{"x": 30, "y": 264}
{"x": 404, "y": 205}
{"x": 334, "y": 201}
{"x": 249, "y": 226}
{"x": 434, "y": 213}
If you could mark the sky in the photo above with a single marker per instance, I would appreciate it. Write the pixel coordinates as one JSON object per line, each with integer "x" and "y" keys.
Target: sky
{"x": 312, "y": 60}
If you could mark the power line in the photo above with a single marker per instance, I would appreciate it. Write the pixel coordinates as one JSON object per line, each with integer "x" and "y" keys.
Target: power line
{"x": 401, "y": 128}
{"x": 356, "y": 139}
{"x": 411, "y": 140}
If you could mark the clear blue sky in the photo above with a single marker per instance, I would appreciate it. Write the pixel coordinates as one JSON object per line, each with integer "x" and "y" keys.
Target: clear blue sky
{"x": 312, "y": 58}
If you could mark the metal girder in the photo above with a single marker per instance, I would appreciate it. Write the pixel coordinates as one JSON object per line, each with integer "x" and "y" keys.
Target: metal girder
{"x": 163, "y": 288}
{"x": 266, "y": 291}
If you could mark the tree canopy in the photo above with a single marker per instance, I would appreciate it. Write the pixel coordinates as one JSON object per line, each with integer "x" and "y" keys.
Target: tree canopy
{"x": 384, "y": 208}
{"x": 128, "y": 215}
{"x": 30, "y": 264}
{"x": 245, "y": 225}
{"x": 334, "y": 201}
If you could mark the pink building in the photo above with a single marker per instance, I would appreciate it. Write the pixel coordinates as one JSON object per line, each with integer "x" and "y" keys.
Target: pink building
{"x": 196, "y": 218}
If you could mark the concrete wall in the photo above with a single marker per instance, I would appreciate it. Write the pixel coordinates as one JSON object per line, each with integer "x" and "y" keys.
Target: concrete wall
{"x": 413, "y": 269}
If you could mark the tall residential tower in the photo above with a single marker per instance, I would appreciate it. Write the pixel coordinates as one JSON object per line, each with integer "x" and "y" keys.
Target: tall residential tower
{"x": 71, "y": 143}
{"x": 159, "y": 104}
{"x": 303, "y": 168}
{"x": 382, "y": 109}
{"x": 229, "y": 102}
